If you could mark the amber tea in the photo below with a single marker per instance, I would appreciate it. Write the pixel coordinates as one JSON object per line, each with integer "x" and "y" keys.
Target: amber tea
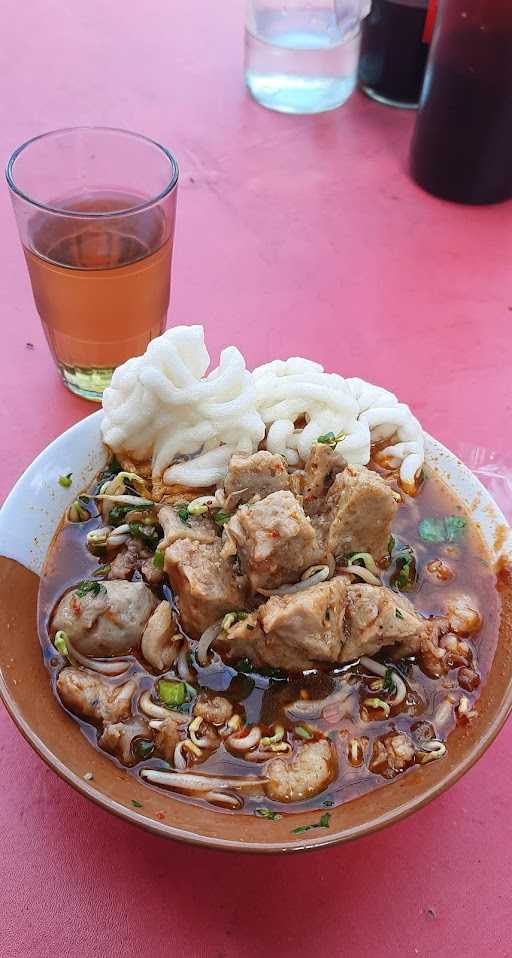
{"x": 95, "y": 209}
{"x": 101, "y": 290}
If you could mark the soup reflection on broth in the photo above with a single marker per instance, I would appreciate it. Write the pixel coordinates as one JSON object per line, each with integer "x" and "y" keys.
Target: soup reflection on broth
{"x": 288, "y": 638}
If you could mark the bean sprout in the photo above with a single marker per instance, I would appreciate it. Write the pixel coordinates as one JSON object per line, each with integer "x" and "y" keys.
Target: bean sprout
{"x": 242, "y": 743}
{"x": 264, "y": 754}
{"x": 194, "y": 782}
{"x": 367, "y": 559}
{"x": 311, "y": 577}
{"x": 304, "y": 709}
{"x": 229, "y": 799}
{"x": 208, "y": 636}
{"x": 153, "y": 710}
{"x": 209, "y": 501}
{"x": 127, "y": 500}
{"x": 431, "y": 751}
{"x": 444, "y": 711}
{"x": 378, "y": 669}
{"x": 362, "y": 573}
{"x": 115, "y": 667}
{"x": 180, "y": 761}
{"x": 202, "y": 741}
{"x": 183, "y": 667}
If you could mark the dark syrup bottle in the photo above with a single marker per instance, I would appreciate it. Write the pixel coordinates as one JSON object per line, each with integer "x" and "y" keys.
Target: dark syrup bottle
{"x": 394, "y": 51}
{"x": 462, "y": 144}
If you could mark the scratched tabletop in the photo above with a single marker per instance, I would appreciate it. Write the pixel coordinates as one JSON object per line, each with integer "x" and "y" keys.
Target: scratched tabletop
{"x": 295, "y": 236}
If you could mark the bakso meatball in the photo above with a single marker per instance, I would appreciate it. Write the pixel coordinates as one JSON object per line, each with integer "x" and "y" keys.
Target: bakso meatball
{"x": 107, "y": 621}
{"x": 256, "y": 475}
{"x": 322, "y": 467}
{"x": 378, "y": 617}
{"x": 274, "y": 539}
{"x": 87, "y": 694}
{"x": 120, "y": 738}
{"x": 160, "y": 642}
{"x": 307, "y": 773}
{"x": 362, "y": 507}
{"x": 205, "y": 583}
{"x": 196, "y": 528}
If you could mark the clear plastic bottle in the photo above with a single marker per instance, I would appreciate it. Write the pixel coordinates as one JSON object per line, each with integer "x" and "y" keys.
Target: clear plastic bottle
{"x": 301, "y": 56}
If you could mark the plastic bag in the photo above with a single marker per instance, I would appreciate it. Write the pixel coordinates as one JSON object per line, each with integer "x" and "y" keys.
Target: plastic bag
{"x": 494, "y": 471}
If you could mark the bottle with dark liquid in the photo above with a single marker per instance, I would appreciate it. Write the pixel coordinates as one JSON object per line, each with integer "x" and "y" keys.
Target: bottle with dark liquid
{"x": 394, "y": 49}
{"x": 462, "y": 144}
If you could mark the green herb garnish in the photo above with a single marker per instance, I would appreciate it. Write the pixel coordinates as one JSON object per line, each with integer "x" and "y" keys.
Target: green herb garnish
{"x": 323, "y": 823}
{"x": 244, "y": 665}
{"x": 65, "y": 481}
{"x": 137, "y": 804}
{"x": 404, "y": 576}
{"x": 442, "y": 529}
{"x": 391, "y": 544}
{"x": 158, "y": 559}
{"x": 117, "y": 514}
{"x": 329, "y": 439}
{"x": 143, "y": 749}
{"x": 268, "y": 814}
{"x": 399, "y": 614}
{"x": 389, "y": 682}
{"x": 102, "y": 571}
{"x": 89, "y": 586}
{"x": 183, "y": 513}
{"x": 221, "y": 517}
{"x": 148, "y": 533}
{"x": 171, "y": 694}
{"x": 111, "y": 469}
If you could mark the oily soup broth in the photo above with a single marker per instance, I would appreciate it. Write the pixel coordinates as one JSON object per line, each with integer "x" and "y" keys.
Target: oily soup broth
{"x": 263, "y": 698}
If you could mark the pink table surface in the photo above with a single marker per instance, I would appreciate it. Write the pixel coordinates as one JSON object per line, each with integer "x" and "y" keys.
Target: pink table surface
{"x": 295, "y": 236}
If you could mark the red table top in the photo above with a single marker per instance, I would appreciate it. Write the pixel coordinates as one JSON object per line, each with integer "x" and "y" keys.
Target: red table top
{"x": 295, "y": 236}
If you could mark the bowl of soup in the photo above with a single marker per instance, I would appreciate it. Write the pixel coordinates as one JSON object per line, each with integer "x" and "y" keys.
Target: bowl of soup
{"x": 290, "y": 656}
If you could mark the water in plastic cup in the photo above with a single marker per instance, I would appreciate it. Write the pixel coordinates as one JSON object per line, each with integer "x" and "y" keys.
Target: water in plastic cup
{"x": 302, "y": 57}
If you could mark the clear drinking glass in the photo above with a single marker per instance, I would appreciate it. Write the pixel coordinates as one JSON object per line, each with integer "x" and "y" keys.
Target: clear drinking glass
{"x": 301, "y": 56}
{"x": 95, "y": 209}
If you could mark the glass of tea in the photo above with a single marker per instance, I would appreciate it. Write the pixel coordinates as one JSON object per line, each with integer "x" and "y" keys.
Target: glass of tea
{"x": 96, "y": 209}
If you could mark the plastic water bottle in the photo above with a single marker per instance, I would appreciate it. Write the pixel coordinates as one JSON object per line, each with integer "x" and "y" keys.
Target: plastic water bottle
{"x": 301, "y": 56}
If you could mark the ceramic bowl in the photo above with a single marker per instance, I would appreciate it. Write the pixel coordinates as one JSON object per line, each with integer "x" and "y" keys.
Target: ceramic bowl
{"x": 28, "y": 521}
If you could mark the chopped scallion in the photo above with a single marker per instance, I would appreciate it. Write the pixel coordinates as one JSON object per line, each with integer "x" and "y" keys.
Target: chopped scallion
{"x": 171, "y": 694}
{"x": 267, "y": 813}
{"x": 89, "y": 586}
{"x": 221, "y": 517}
{"x": 60, "y": 643}
{"x": 323, "y": 823}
